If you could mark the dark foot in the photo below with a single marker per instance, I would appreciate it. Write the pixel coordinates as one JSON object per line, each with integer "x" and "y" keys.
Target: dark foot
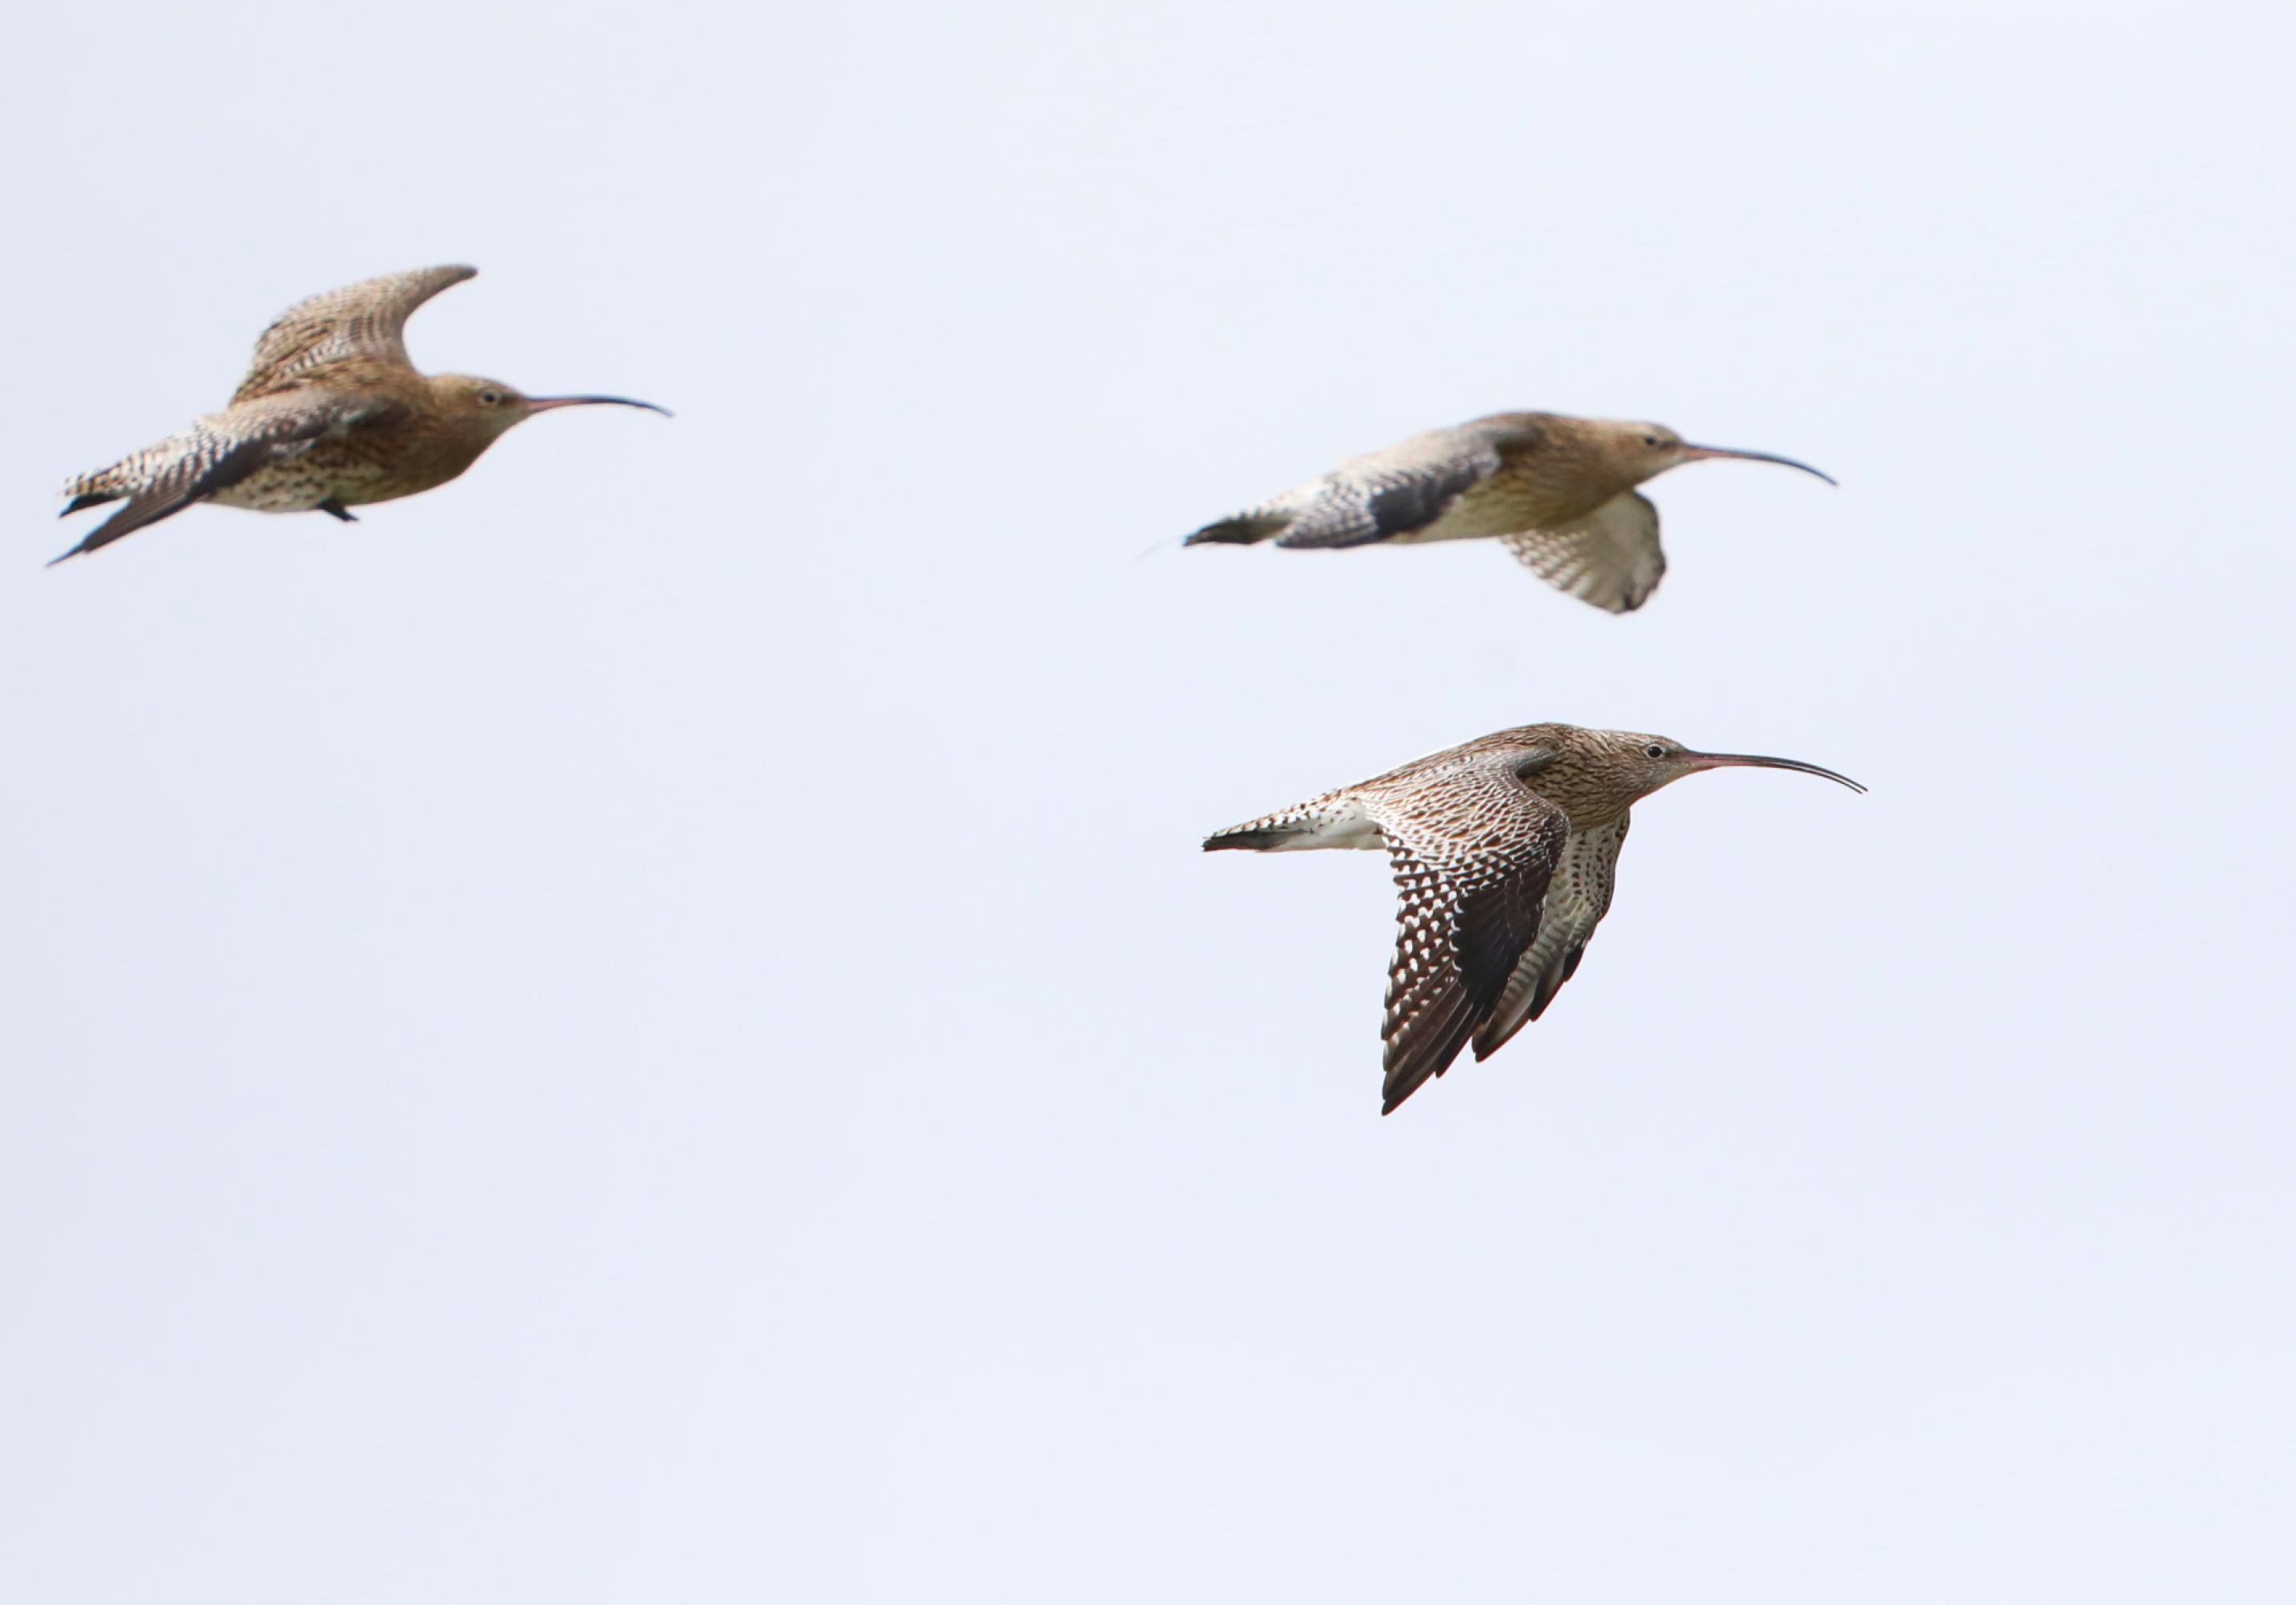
{"x": 333, "y": 508}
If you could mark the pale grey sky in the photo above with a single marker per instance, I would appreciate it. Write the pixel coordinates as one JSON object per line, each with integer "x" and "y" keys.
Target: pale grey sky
{"x": 650, "y": 1026}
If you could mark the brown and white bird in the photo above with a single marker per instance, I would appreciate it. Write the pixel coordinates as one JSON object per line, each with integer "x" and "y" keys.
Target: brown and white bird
{"x": 1503, "y": 851}
{"x": 331, "y": 415}
{"x": 1558, "y": 492}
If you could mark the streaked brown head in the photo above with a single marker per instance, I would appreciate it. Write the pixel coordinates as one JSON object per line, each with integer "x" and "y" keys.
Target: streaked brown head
{"x": 1642, "y": 764}
{"x": 1633, "y": 453}
{"x": 490, "y": 408}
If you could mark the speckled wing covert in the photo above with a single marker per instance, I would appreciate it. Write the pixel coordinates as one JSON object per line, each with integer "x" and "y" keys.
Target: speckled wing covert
{"x": 1610, "y": 558}
{"x": 1407, "y": 489}
{"x": 366, "y": 320}
{"x": 1472, "y": 851}
{"x": 1576, "y": 899}
{"x": 215, "y": 452}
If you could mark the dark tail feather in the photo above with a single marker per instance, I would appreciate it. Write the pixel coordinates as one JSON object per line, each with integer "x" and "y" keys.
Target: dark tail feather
{"x": 93, "y": 498}
{"x": 1252, "y": 840}
{"x": 1241, "y": 531}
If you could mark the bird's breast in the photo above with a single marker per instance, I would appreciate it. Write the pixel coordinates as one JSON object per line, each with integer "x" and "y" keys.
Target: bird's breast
{"x": 367, "y": 462}
{"x": 1527, "y": 499}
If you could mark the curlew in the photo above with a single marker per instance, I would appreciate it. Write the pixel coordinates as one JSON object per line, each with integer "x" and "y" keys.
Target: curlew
{"x": 1503, "y": 851}
{"x": 1557, "y": 492}
{"x": 331, "y": 415}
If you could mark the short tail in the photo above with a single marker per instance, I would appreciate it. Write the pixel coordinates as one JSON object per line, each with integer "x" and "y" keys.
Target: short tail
{"x": 1245, "y": 530}
{"x": 87, "y": 491}
{"x": 1255, "y": 839}
{"x": 95, "y": 489}
{"x": 1306, "y": 825}
{"x": 1329, "y": 821}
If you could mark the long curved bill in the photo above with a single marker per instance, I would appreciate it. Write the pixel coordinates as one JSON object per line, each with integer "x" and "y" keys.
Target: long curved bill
{"x": 1741, "y": 760}
{"x": 544, "y": 404}
{"x": 1698, "y": 453}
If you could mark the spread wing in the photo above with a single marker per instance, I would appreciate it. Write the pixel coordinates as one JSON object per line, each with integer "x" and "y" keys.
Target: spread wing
{"x": 214, "y": 453}
{"x": 1473, "y": 853}
{"x": 364, "y": 320}
{"x": 1401, "y": 491}
{"x": 1578, "y": 898}
{"x": 1610, "y": 558}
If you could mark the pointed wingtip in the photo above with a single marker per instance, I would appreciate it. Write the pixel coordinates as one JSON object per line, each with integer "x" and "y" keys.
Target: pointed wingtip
{"x": 1243, "y": 530}
{"x": 1243, "y": 838}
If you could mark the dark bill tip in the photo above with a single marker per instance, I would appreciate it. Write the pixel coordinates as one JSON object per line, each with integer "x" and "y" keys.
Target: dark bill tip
{"x": 1743, "y": 760}
{"x": 544, "y": 404}
{"x": 1694, "y": 454}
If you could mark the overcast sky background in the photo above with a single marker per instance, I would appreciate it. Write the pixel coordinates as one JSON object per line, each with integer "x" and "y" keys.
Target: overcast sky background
{"x": 651, "y": 1026}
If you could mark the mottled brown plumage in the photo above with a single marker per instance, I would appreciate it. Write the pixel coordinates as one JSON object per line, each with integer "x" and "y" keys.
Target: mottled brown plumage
{"x": 1504, "y": 851}
{"x": 1556, "y": 491}
{"x": 331, "y": 415}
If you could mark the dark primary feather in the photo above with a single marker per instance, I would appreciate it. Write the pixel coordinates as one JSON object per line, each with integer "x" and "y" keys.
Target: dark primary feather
{"x": 1361, "y": 509}
{"x": 1398, "y": 491}
{"x": 1578, "y": 897}
{"x": 1471, "y": 882}
{"x": 1455, "y": 950}
{"x": 1252, "y": 840}
{"x": 174, "y": 492}
{"x": 1408, "y": 504}
{"x": 216, "y": 454}
{"x": 1242, "y": 530}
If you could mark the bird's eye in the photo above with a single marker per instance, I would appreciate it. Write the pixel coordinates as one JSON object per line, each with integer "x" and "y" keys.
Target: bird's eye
{"x": 490, "y": 398}
{"x": 1654, "y": 750}
{"x": 1650, "y": 440}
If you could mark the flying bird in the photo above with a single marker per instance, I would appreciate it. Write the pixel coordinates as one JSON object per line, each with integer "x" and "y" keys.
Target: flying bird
{"x": 1557, "y": 492}
{"x": 331, "y": 415}
{"x": 1503, "y": 851}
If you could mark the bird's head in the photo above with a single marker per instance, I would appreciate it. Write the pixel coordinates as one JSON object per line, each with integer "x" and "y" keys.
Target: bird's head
{"x": 490, "y": 408}
{"x": 1636, "y": 452}
{"x": 1639, "y": 765}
